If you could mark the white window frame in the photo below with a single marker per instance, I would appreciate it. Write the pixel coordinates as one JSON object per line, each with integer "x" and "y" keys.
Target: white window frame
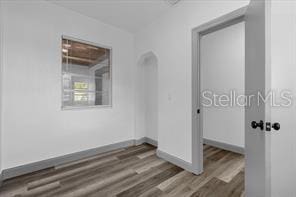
{"x": 61, "y": 75}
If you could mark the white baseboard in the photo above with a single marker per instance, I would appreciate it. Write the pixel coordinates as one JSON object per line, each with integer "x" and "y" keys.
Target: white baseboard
{"x": 40, "y": 165}
{"x": 224, "y": 146}
{"x": 32, "y": 167}
{"x": 174, "y": 160}
{"x": 146, "y": 140}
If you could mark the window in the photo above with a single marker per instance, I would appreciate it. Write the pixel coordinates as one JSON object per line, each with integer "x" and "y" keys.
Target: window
{"x": 86, "y": 74}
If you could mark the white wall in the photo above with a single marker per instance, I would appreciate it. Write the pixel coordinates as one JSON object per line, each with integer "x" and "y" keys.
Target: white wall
{"x": 146, "y": 96}
{"x": 222, "y": 55}
{"x": 34, "y": 126}
{"x": 151, "y": 97}
{"x": 169, "y": 38}
{"x": 146, "y": 99}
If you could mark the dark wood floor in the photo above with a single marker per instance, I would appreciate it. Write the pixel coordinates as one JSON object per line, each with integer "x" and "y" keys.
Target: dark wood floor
{"x": 131, "y": 172}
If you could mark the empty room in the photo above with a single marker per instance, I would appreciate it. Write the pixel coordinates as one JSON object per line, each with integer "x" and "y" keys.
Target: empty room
{"x": 147, "y": 98}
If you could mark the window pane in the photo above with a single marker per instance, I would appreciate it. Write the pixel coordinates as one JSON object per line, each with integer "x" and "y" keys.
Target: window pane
{"x": 86, "y": 74}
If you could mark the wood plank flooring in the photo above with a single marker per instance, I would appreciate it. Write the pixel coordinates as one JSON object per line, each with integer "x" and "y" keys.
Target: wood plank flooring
{"x": 133, "y": 172}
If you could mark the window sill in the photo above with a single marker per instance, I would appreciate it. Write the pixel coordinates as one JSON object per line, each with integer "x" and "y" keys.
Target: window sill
{"x": 85, "y": 107}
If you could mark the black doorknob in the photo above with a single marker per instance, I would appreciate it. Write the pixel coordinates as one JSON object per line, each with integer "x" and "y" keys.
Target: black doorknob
{"x": 260, "y": 124}
{"x": 276, "y": 126}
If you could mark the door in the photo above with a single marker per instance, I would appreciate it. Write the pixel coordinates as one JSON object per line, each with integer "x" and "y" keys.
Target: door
{"x": 222, "y": 22}
{"x": 257, "y": 81}
{"x": 270, "y": 69}
{"x": 283, "y": 83}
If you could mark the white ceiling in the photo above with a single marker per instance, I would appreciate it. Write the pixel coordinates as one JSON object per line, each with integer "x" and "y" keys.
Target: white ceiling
{"x": 129, "y": 15}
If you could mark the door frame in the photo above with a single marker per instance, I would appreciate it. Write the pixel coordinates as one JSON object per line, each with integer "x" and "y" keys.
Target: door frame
{"x": 229, "y": 19}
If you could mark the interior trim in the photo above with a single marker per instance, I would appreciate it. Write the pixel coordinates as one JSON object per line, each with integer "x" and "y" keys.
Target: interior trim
{"x": 197, "y": 112}
{"x": 146, "y": 140}
{"x": 225, "y": 146}
{"x": 48, "y": 163}
{"x": 174, "y": 160}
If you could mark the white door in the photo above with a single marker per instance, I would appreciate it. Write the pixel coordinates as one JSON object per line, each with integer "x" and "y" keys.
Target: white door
{"x": 283, "y": 83}
{"x": 271, "y": 70}
{"x": 257, "y": 81}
